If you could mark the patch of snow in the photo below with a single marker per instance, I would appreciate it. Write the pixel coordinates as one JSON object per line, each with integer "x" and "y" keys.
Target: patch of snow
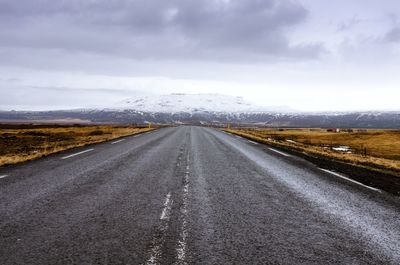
{"x": 342, "y": 148}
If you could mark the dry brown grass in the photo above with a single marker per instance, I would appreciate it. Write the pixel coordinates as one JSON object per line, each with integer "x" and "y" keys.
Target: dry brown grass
{"x": 373, "y": 148}
{"x": 19, "y": 145}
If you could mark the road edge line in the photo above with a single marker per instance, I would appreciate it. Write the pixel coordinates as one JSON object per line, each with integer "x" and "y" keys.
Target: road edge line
{"x": 79, "y": 153}
{"x": 351, "y": 180}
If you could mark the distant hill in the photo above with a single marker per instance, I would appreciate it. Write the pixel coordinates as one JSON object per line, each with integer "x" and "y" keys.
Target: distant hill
{"x": 350, "y": 120}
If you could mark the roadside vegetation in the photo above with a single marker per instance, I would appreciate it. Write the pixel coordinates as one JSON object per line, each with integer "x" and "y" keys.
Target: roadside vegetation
{"x": 374, "y": 149}
{"x": 19, "y": 143}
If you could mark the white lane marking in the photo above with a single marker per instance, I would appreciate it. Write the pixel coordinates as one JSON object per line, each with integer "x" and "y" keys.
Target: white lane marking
{"x": 182, "y": 243}
{"x": 3, "y": 176}
{"x": 158, "y": 241}
{"x": 351, "y": 180}
{"x": 252, "y": 142}
{"x": 279, "y": 152}
{"x": 85, "y": 151}
{"x": 167, "y": 207}
{"x": 118, "y": 141}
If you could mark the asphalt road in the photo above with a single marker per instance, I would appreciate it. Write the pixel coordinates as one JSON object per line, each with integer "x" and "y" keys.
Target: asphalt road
{"x": 190, "y": 195}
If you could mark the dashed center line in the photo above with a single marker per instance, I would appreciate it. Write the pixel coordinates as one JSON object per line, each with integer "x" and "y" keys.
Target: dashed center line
{"x": 115, "y": 142}
{"x": 252, "y": 142}
{"x": 182, "y": 243}
{"x": 79, "y": 153}
{"x": 158, "y": 240}
{"x": 167, "y": 207}
{"x": 279, "y": 152}
{"x": 349, "y": 179}
{"x": 3, "y": 176}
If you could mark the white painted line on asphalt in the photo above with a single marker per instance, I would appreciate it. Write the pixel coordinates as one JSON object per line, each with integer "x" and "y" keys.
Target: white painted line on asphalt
{"x": 349, "y": 179}
{"x": 118, "y": 141}
{"x": 167, "y": 207}
{"x": 3, "y": 176}
{"x": 69, "y": 156}
{"x": 158, "y": 241}
{"x": 279, "y": 152}
{"x": 182, "y": 243}
{"x": 252, "y": 142}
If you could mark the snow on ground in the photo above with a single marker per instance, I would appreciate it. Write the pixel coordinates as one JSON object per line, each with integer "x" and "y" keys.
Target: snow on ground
{"x": 342, "y": 148}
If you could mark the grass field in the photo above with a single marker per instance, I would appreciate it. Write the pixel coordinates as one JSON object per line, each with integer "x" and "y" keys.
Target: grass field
{"x": 372, "y": 148}
{"x": 23, "y": 143}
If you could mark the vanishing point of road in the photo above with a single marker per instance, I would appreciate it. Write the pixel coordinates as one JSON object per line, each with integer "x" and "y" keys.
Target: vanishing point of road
{"x": 190, "y": 195}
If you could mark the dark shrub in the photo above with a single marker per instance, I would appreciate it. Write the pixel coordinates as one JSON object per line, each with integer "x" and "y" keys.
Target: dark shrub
{"x": 35, "y": 133}
{"x": 96, "y": 132}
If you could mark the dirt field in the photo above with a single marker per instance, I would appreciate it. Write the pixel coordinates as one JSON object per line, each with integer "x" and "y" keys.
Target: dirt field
{"x": 20, "y": 143}
{"x": 372, "y": 148}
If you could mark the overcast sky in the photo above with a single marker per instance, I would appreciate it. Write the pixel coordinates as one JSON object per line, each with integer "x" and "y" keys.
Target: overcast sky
{"x": 309, "y": 55}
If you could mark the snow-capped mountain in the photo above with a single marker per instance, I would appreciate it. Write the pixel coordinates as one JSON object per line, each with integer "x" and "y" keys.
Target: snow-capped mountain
{"x": 192, "y": 103}
{"x": 206, "y": 109}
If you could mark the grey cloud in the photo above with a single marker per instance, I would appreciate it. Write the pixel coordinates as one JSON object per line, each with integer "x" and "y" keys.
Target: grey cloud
{"x": 41, "y": 97}
{"x": 349, "y": 24}
{"x": 89, "y": 90}
{"x": 235, "y": 30}
{"x": 393, "y": 35}
{"x": 10, "y": 80}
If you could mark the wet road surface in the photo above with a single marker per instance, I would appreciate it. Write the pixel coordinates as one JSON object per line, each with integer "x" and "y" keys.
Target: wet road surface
{"x": 190, "y": 195}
